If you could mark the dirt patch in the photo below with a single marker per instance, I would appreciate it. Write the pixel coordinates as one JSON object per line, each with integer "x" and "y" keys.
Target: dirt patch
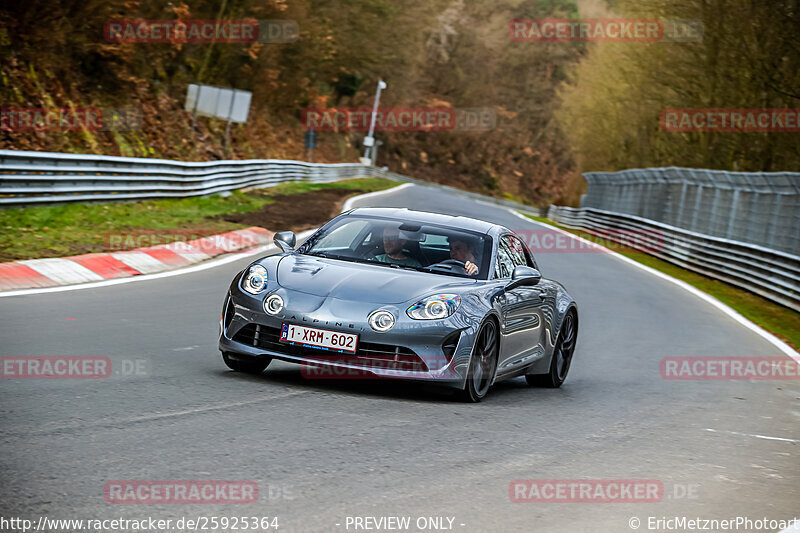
{"x": 296, "y": 212}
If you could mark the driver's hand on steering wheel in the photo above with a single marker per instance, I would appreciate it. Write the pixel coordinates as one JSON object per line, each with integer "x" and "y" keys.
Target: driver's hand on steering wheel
{"x": 471, "y": 268}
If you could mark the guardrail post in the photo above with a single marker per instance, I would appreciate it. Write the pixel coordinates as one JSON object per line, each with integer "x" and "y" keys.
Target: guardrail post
{"x": 796, "y": 225}
{"x": 773, "y": 223}
{"x": 679, "y": 218}
{"x": 732, "y": 218}
{"x": 751, "y": 223}
{"x": 713, "y": 217}
{"x": 697, "y": 198}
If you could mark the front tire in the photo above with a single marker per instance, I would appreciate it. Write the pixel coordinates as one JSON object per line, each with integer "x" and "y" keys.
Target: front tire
{"x": 247, "y": 366}
{"x": 482, "y": 365}
{"x": 562, "y": 356}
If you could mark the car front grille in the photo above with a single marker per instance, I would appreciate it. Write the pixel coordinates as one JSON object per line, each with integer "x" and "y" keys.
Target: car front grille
{"x": 368, "y": 354}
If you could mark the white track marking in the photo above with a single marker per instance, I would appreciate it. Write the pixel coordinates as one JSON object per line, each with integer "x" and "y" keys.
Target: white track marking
{"x": 772, "y": 339}
{"x": 348, "y": 205}
{"x": 225, "y": 243}
{"x": 193, "y": 257}
{"x": 161, "y": 416}
{"x": 140, "y": 261}
{"x": 752, "y": 435}
{"x": 217, "y": 241}
{"x": 62, "y": 270}
{"x": 218, "y": 407}
{"x": 187, "y": 251}
{"x": 145, "y": 277}
{"x": 177, "y": 272}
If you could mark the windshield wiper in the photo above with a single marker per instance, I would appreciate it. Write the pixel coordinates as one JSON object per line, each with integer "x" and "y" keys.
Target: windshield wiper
{"x": 444, "y": 269}
{"x": 395, "y": 265}
{"x": 326, "y": 255}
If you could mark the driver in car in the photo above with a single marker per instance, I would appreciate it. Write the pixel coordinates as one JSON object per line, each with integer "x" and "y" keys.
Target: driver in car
{"x": 393, "y": 250}
{"x": 461, "y": 250}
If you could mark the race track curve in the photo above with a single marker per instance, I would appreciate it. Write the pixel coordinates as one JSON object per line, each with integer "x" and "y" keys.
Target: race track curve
{"x": 321, "y": 451}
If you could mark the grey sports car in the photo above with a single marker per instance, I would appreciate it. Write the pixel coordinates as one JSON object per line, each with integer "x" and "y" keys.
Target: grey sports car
{"x": 396, "y": 293}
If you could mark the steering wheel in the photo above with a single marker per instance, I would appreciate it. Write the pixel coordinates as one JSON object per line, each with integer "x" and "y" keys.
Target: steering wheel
{"x": 372, "y": 252}
{"x": 453, "y": 262}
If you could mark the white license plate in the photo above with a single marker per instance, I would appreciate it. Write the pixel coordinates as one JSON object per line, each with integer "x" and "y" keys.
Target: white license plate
{"x": 319, "y": 337}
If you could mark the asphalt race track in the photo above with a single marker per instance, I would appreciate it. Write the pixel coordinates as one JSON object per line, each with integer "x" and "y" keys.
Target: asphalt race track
{"x": 324, "y": 450}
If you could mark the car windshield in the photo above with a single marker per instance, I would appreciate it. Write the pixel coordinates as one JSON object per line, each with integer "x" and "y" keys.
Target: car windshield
{"x": 402, "y": 244}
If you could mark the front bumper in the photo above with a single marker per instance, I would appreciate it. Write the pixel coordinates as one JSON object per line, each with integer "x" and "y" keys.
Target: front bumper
{"x": 436, "y": 350}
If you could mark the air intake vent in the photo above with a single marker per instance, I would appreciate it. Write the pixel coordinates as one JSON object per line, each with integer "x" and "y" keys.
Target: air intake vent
{"x": 229, "y": 312}
{"x": 449, "y": 344}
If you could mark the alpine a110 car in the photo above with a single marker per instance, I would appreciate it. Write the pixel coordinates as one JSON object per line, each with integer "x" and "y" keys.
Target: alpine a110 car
{"x": 397, "y": 293}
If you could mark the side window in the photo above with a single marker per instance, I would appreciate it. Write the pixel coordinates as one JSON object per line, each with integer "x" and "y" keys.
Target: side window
{"x": 516, "y": 249}
{"x": 505, "y": 263}
{"x": 529, "y": 259}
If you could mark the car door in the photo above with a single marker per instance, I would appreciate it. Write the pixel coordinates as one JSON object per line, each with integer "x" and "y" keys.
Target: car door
{"x": 547, "y": 292}
{"x": 522, "y": 309}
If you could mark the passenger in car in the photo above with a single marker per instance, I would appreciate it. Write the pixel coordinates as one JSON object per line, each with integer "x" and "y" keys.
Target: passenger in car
{"x": 393, "y": 248}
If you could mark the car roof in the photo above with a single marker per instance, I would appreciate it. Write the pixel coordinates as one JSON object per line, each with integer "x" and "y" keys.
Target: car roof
{"x": 425, "y": 217}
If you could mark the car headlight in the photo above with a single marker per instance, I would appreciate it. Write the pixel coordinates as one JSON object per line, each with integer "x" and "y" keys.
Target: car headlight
{"x": 381, "y": 321}
{"x": 255, "y": 280}
{"x": 434, "y": 307}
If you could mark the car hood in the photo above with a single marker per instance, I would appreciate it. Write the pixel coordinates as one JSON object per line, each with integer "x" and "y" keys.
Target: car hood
{"x": 361, "y": 282}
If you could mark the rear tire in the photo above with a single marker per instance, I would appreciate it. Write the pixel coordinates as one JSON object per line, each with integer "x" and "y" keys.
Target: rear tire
{"x": 562, "y": 356}
{"x": 249, "y": 366}
{"x": 482, "y": 364}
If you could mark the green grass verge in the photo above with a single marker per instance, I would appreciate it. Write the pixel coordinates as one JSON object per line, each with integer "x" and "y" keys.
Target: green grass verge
{"x": 778, "y": 320}
{"x": 72, "y": 229}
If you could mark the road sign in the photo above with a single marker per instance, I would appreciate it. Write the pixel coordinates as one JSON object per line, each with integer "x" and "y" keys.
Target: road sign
{"x": 232, "y": 105}
{"x": 215, "y": 102}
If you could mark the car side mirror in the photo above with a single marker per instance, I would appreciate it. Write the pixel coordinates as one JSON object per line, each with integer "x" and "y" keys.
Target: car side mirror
{"x": 285, "y": 240}
{"x": 524, "y": 276}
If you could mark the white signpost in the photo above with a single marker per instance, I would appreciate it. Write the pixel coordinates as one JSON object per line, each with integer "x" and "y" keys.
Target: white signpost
{"x": 369, "y": 140}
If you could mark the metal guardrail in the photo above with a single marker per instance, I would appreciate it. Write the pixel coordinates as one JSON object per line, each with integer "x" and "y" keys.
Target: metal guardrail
{"x": 42, "y": 177}
{"x": 773, "y": 274}
{"x": 45, "y": 177}
{"x": 758, "y": 207}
